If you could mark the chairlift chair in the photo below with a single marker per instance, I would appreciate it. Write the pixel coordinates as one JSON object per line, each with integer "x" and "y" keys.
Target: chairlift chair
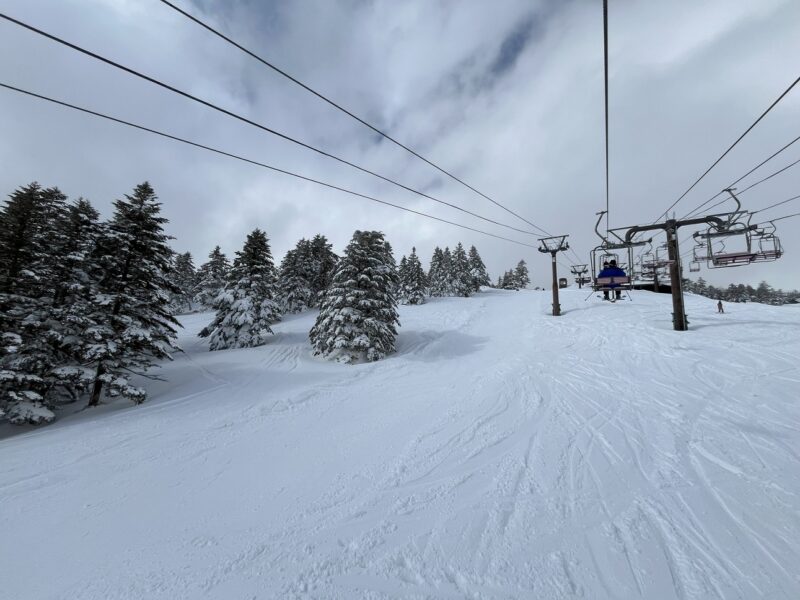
{"x": 729, "y": 247}
{"x": 606, "y": 253}
{"x": 700, "y": 253}
{"x": 662, "y": 257}
{"x": 768, "y": 244}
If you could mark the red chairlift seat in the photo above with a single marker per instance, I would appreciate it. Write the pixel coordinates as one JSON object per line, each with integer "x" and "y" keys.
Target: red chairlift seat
{"x": 769, "y": 248}
{"x": 612, "y": 283}
{"x": 732, "y": 259}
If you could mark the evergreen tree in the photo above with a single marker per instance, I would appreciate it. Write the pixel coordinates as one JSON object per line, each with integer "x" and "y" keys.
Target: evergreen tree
{"x": 247, "y": 306}
{"x": 402, "y": 276}
{"x": 358, "y": 315}
{"x": 211, "y": 278}
{"x": 412, "y": 280}
{"x": 437, "y": 275}
{"x": 131, "y": 325}
{"x": 701, "y": 286}
{"x": 185, "y": 279}
{"x": 75, "y": 277}
{"x": 510, "y": 281}
{"x": 764, "y": 293}
{"x": 323, "y": 266}
{"x": 477, "y": 270}
{"x": 461, "y": 276}
{"x": 447, "y": 272}
{"x": 31, "y": 234}
{"x": 299, "y": 269}
{"x": 521, "y": 275}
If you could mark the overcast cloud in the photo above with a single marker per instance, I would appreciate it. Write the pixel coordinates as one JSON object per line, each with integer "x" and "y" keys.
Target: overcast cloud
{"x": 506, "y": 94}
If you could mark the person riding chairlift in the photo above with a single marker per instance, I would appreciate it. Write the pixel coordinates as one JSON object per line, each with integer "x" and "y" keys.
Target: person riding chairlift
{"x": 610, "y": 269}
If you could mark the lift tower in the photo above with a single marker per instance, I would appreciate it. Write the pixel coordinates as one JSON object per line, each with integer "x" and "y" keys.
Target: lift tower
{"x": 580, "y": 274}
{"x": 552, "y": 246}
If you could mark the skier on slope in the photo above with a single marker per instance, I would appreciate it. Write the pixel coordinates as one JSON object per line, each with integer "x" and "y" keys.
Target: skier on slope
{"x": 610, "y": 269}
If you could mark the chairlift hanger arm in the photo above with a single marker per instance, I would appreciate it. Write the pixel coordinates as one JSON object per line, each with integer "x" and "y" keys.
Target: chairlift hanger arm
{"x": 735, "y": 199}
{"x": 596, "y": 225}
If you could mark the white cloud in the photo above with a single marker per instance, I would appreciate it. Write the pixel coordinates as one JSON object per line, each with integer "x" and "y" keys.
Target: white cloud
{"x": 687, "y": 78}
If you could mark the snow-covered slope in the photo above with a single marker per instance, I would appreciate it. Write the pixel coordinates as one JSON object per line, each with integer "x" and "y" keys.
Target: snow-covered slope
{"x": 501, "y": 453}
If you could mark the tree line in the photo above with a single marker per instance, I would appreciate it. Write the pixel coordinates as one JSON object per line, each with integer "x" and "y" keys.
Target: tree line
{"x": 87, "y": 306}
{"x": 764, "y": 293}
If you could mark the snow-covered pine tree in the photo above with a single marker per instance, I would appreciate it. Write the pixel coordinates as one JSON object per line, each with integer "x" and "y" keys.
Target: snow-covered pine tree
{"x": 29, "y": 237}
{"x": 510, "y": 281}
{"x": 412, "y": 280}
{"x": 131, "y": 323}
{"x": 211, "y": 277}
{"x": 461, "y": 278}
{"x": 437, "y": 277}
{"x": 76, "y": 274}
{"x": 247, "y": 306}
{"x": 185, "y": 279}
{"x": 389, "y": 254}
{"x": 359, "y": 314}
{"x": 521, "y": 275}
{"x": 298, "y": 270}
{"x": 323, "y": 266}
{"x": 448, "y": 276}
{"x": 402, "y": 277}
{"x": 477, "y": 270}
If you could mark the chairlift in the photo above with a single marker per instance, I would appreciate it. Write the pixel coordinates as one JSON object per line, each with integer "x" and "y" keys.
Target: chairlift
{"x": 728, "y": 247}
{"x": 636, "y": 271}
{"x": 647, "y": 264}
{"x": 620, "y": 252}
{"x": 694, "y": 266}
{"x": 662, "y": 257}
{"x": 700, "y": 253}
{"x": 767, "y": 244}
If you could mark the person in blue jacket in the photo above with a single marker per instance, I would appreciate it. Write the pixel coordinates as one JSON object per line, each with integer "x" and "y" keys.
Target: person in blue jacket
{"x": 610, "y": 269}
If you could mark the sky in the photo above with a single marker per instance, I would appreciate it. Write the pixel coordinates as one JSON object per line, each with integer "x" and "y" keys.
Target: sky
{"x": 506, "y": 95}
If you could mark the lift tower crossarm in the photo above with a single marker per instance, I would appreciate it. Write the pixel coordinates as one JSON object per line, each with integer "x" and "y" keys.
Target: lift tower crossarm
{"x": 716, "y": 221}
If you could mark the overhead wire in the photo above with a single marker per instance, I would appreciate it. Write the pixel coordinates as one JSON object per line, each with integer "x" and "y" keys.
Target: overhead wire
{"x": 781, "y": 203}
{"x": 731, "y": 147}
{"x": 732, "y": 184}
{"x": 759, "y": 182}
{"x": 349, "y": 113}
{"x": 251, "y": 161}
{"x": 785, "y": 217}
{"x": 755, "y": 212}
{"x": 605, "y": 93}
{"x": 344, "y": 110}
{"x": 251, "y": 122}
{"x": 751, "y": 171}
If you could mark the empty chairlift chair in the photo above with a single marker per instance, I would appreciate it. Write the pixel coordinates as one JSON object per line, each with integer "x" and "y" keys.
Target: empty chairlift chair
{"x": 766, "y": 245}
{"x": 730, "y": 247}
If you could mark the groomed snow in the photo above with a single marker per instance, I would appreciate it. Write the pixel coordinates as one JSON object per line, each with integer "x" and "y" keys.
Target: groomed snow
{"x": 501, "y": 453}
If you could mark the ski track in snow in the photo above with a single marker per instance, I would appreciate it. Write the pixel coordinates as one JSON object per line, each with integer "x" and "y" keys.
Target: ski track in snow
{"x": 500, "y": 453}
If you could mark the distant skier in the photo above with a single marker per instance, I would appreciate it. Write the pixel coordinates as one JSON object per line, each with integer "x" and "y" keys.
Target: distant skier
{"x": 610, "y": 269}
{"x": 720, "y": 308}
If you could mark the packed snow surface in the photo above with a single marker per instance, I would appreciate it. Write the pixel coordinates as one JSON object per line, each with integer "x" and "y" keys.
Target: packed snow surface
{"x": 500, "y": 453}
